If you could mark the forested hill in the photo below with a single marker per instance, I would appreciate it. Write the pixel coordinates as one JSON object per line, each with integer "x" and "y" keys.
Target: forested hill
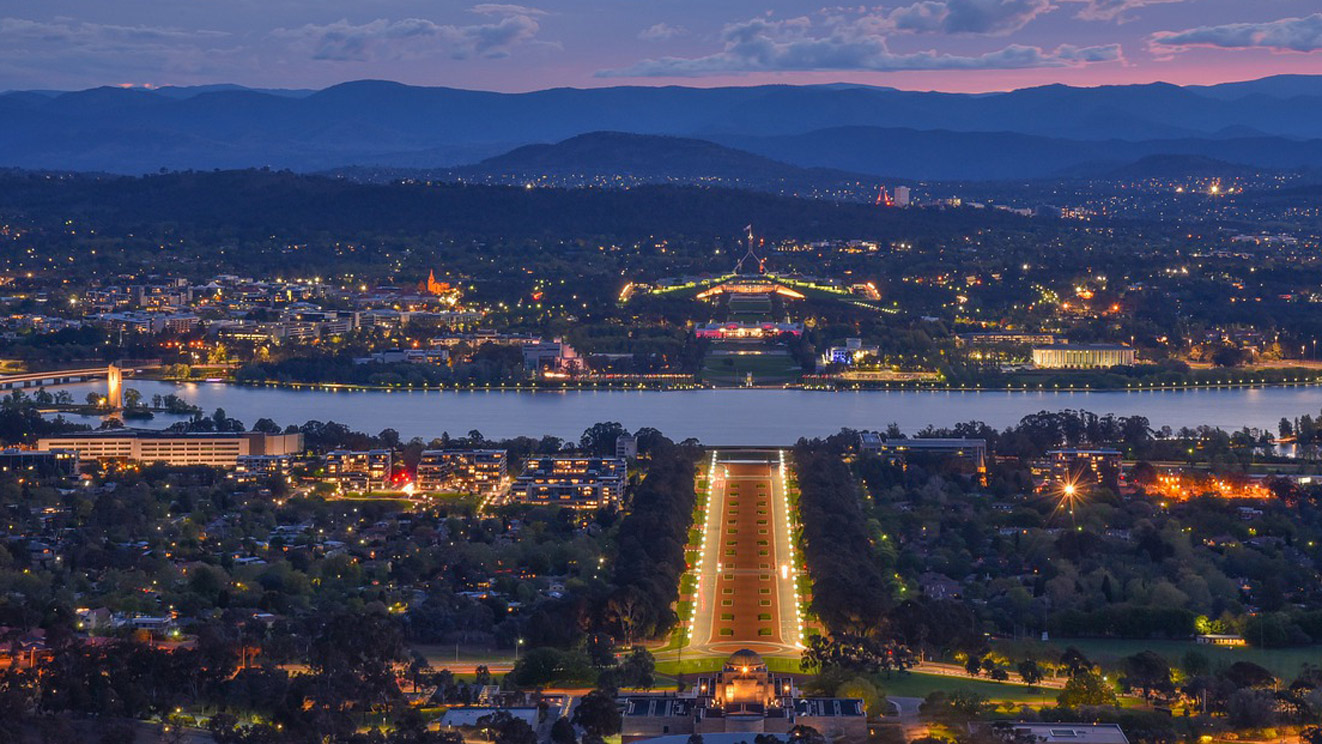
{"x": 255, "y": 203}
{"x": 652, "y": 158}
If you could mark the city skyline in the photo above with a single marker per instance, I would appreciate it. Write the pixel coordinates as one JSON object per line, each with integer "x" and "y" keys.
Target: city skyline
{"x": 949, "y": 45}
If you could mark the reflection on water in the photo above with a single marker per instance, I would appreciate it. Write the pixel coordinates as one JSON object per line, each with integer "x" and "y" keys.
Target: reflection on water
{"x": 716, "y": 416}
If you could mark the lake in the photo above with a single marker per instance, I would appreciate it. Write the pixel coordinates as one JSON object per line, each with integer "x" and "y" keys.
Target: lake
{"x": 717, "y": 417}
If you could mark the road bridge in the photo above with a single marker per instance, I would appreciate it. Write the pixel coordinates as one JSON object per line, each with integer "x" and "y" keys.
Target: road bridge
{"x": 113, "y": 374}
{"x": 53, "y": 377}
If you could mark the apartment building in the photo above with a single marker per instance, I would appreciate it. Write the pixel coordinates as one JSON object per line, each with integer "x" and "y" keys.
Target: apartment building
{"x": 368, "y": 470}
{"x": 575, "y": 482}
{"x": 469, "y": 471}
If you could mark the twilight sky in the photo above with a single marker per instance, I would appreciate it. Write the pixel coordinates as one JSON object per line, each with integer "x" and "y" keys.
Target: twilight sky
{"x": 954, "y": 45}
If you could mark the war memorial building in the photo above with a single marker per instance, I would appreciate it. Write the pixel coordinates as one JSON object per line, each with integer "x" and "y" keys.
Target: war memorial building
{"x": 743, "y": 698}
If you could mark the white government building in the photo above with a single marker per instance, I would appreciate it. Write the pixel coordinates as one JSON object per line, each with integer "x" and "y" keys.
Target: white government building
{"x": 1082, "y": 356}
{"x": 219, "y": 449}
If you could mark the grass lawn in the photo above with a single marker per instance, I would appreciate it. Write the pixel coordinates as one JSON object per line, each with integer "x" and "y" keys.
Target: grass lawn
{"x": 405, "y": 502}
{"x": 1282, "y": 662}
{"x": 684, "y": 608}
{"x": 454, "y": 498}
{"x": 771, "y": 367}
{"x": 918, "y": 685}
{"x": 713, "y": 664}
{"x": 672, "y": 643}
{"x": 391, "y": 502}
{"x": 688, "y": 666}
{"x": 688, "y": 583}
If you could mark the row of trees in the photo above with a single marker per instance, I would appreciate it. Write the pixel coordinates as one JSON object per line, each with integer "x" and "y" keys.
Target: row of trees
{"x": 489, "y": 364}
{"x": 649, "y": 557}
{"x": 850, "y": 585}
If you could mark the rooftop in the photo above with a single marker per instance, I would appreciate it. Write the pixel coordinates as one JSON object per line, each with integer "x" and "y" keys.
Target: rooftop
{"x": 156, "y": 434}
{"x": 1085, "y": 347}
{"x": 1057, "y": 733}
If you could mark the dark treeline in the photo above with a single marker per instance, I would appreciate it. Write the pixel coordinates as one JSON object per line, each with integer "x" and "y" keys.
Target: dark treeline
{"x": 1124, "y": 621}
{"x": 21, "y": 421}
{"x": 257, "y": 204}
{"x": 1306, "y": 431}
{"x": 650, "y": 554}
{"x": 872, "y": 625}
{"x": 1038, "y": 432}
{"x": 491, "y": 363}
{"x": 1034, "y": 434}
{"x": 1134, "y": 436}
{"x": 850, "y": 589}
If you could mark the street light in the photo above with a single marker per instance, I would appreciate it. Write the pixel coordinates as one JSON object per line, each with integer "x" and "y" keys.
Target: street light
{"x": 517, "y": 644}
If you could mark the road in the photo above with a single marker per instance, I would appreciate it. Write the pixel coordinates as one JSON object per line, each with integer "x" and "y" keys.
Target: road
{"x": 955, "y": 670}
{"x": 745, "y": 596}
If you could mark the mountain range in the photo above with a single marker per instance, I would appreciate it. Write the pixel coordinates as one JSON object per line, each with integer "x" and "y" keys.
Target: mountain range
{"x": 1038, "y": 132}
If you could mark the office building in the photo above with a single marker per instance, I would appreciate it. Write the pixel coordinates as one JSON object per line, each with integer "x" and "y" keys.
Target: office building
{"x": 903, "y": 196}
{"x": 554, "y": 357}
{"x": 257, "y": 468}
{"x": 852, "y": 352}
{"x": 576, "y": 482}
{"x": 41, "y": 464}
{"x": 626, "y": 447}
{"x": 466, "y": 471}
{"x": 972, "y": 450}
{"x": 217, "y": 449}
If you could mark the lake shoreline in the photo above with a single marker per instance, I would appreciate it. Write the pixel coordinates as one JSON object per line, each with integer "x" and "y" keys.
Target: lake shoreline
{"x": 773, "y": 417}
{"x": 840, "y": 387}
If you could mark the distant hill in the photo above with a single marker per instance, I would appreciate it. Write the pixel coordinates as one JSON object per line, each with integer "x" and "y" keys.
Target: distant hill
{"x": 622, "y": 153}
{"x": 624, "y": 159}
{"x": 1180, "y": 166}
{"x": 1276, "y": 86}
{"x": 950, "y": 155}
{"x": 379, "y": 123}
